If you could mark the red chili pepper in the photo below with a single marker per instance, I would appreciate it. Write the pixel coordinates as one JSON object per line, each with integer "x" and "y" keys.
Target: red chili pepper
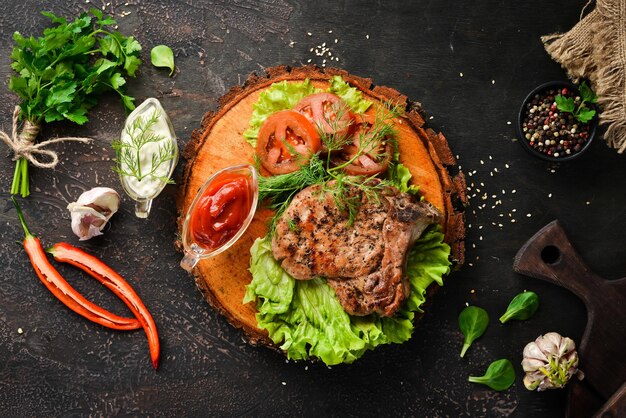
{"x": 63, "y": 291}
{"x": 93, "y": 266}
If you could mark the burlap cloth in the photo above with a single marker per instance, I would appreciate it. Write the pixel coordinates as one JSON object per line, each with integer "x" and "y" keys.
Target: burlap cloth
{"x": 596, "y": 49}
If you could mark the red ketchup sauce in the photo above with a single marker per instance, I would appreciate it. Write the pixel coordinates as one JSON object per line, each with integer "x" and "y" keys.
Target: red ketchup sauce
{"x": 221, "y": 210}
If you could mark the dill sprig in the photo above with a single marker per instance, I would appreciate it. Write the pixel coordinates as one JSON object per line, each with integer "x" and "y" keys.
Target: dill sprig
{"x": 128, "y": 154}
{"x": 279, "y": 190}
{"x": 348, "y": 191}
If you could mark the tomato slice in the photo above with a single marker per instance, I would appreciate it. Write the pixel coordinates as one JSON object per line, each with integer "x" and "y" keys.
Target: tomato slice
{"x": 286, "y": 141}
{"x": 328, "y": 112}
{"x": 368, "y": 153}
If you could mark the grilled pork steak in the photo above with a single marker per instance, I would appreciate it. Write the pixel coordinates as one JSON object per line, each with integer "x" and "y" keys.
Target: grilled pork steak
{"x": 364, "y": 262}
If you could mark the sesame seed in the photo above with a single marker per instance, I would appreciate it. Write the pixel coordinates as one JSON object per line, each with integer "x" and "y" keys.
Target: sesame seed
{"x": 508, "y": 122}
{"x": 367, "y": 36}
{"x": 284, "y": 383}
{"x": 493, "y": 81}
{"x": 588, "y": 203}
{"x": 472, "y": 291}
{"x": 330, "y": 31}
{"x": 20, "y": 331}
{"x": 466, "y": 303}
{"x": 528, "y": 215}
{"x": 550, "y": 195}
{"x": 506, "y": 165}
{"x": 309, "y": 33}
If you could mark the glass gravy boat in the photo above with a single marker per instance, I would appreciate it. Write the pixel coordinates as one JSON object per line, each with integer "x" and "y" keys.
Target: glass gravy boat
{"x": 193, "y": 248}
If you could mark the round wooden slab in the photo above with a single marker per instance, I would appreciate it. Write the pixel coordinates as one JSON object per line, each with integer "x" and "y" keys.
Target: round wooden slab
{"x": 219, "y": 143}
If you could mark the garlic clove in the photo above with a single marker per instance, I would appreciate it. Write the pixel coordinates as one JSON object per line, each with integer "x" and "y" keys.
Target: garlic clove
{"x": 101, "y": 197}
{"x": 92, "y": 211}
{"x": 532, "y": 364}
{"x": 532, "y": 350}
{"x": 549, "y": 343}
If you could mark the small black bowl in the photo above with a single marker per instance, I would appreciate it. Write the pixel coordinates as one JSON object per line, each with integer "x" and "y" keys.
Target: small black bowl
{"x": 593, "y": 123}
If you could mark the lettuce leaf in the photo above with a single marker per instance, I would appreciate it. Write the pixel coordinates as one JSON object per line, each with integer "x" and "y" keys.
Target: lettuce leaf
{"x": 400, "y": 177}
{"x": 351, "y": 95}
{"x": 280, "y": 96}
{"x": 306, "y": 320}
{"x": 285, "y": 95}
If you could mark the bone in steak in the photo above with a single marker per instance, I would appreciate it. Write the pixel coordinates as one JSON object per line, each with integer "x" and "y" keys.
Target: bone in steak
{"x": 364, "y": 262}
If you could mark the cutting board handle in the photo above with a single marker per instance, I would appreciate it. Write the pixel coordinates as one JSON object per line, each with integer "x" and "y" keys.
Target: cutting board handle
{"x": 549, "y": 255}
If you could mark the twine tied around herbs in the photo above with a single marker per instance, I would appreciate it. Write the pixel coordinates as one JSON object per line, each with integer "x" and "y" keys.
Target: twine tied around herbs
{"x": 24, "y": 146}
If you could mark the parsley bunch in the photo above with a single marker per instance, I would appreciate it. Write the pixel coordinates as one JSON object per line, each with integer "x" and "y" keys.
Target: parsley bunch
{"x": 581, "y": 112}
{"x": 61, "y": 73}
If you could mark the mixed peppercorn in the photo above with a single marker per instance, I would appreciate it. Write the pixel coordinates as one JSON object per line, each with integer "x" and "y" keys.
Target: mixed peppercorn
{"x": 551, "y": 131}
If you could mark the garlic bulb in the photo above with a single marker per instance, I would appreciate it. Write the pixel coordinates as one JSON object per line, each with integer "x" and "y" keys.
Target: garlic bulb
{"x": 92, "y": 211}
{"x": 549, "y": 362}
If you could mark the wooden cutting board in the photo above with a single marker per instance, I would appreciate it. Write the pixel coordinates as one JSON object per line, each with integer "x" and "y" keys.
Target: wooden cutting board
{"x": 220, "y": 143}
{"x": 550, "y": 256}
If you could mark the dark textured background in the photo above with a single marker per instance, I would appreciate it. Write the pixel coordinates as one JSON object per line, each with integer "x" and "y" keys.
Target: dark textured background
{"x": 62, "y": 365}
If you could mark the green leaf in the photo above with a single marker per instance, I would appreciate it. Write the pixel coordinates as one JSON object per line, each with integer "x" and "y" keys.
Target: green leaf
{"x": 117, "y": 81}
{"x": 96, "y": 12}
{"x": 81, "y": 46}
{"x": 131, "y": 64}
{"x": 131, "y": 45}
{"x": 162, "y": 56}
{"x": 586, "y": 94}
{"x": 351, "y": 95}
{"x": 54, "y": 18}
{"x": 129, "y": 102}
{"x": 103, "y": 64}
{"x": 108, "y": 45}
{"x": 565, "y": 104}
{"x": 78, "y": 116}
{"x": 473, "y": 322}
{"x": 19, "y": 85}
{"x": 500, "y": 375}
{"x": 61, "y": 94}
{"x": 585, "y": 114}
{"x": 400, "y": 177}
{"x": 51, "y": 115}
{"x": 522, "y": 307}
{"x": 56, "y": 39}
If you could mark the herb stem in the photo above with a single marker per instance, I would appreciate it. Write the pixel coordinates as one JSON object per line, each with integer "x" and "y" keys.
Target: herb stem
{"x": 15, "y": 185}
{"x": 25, "y": 187}
{"x": 464, "y": 349}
